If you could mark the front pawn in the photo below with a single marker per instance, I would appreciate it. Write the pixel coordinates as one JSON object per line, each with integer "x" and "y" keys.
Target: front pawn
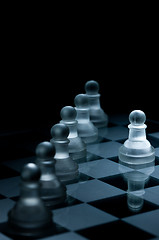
{"x": 77, "y": 147}
{"x": 29, "y": 217}
{"x": 86, "y": 129}
{"x": 136, "y": 149}
{"x": 52, "y": 191}
{"x": 66, "y": 169}
{"x": 97, "y": 114}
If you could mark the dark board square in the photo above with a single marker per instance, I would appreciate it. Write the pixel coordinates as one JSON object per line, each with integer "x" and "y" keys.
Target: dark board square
{"x": 117, "y": 181}
{"x": 118, "y": 205}
{"x": 115, "y": 230}
{"x": 151, "y": 182}
{"x": 120, "y": 182}
{"x": 114, "y": 159}
{"x": 92, "y": 157}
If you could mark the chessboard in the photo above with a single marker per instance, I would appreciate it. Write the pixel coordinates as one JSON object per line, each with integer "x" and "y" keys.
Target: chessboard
{"x": 100, "y": 205}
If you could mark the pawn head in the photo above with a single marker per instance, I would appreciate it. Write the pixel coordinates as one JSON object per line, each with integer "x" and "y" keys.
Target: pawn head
{"x": 137, "y": 117}
{"x": 45, "y": 150}
{"x": 81, "y": 101}
{"x": 30, "y": 172}
{"x": 92, "y": 87}
{"x": 59, "y": 132}
{"x": 68, "y": 113}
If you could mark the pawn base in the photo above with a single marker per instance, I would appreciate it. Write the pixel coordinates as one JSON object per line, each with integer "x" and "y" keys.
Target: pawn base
{"x": 100, "y": 124}
{"x": 69, "y": 178}
{"x": 52, "y": 202}
{"x": 90, "y": 139}
{"x": 136, "y": 156}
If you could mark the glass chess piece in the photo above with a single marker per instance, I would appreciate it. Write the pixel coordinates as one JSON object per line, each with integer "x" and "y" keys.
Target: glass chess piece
{"x": 86, "y": 129}
{"x": 136, "y": 149}
{"x": 77, "y": 147}
{"x": 65, "y": 167}
{"x": 52, "y": 191}
{"x": 97, "y": 115}
{"x": 30, "y": 217}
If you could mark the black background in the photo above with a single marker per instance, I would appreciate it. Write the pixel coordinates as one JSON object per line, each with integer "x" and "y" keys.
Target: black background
{"x": 45, "y": 64}
{"x": 38, "y": 100}
{"x": 48, "y": 53}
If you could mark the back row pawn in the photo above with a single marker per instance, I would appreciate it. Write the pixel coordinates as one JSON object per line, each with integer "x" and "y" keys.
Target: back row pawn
{"x": 77, "y": 147}
{"x": 86, "y": 129}
{"x": 66, "y": 169}
{"x": 97, "y": 114}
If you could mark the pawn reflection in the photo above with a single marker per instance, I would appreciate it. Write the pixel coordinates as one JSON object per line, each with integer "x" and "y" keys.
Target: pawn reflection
{"x": 136, "y": 176}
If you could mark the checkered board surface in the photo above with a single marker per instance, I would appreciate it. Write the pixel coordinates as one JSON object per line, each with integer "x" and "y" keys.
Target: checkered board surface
{"x": 97, "y": 206}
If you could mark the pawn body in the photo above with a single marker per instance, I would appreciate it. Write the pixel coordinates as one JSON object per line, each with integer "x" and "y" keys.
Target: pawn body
{"x": 66, "y": 169}
{"x": 97, "y": 115}
{"x": 77, "y": 147}
{"x": 29, "y": 217}
{"x": 52, "y": 191}
{"x": 137, "y": 149}
{"x": 86, "y": 129}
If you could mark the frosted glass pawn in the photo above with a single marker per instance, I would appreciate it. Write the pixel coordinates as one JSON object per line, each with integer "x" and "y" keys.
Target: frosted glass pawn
{"x": 77, "y": 147}
{"x": 97, "y": 114}
{"x": 30, "y": 217}
{"x": 137, "y": 149}
{"x": 52, "y": 191}
{"x": 86, "y": 129}
{"x": 66, "y": 169}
